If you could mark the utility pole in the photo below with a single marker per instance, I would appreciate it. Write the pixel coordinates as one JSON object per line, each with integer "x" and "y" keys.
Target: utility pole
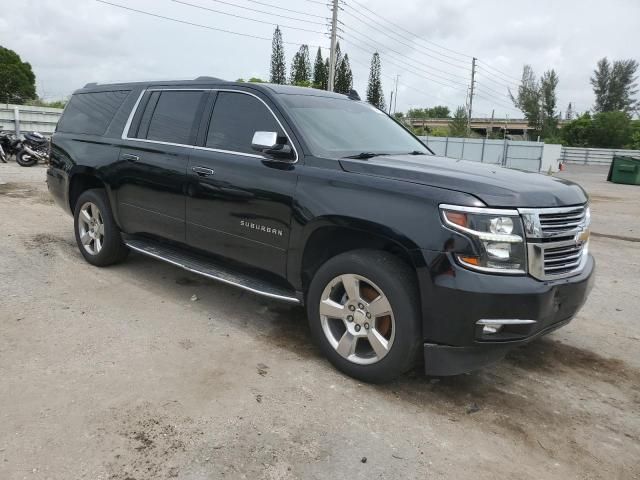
{"x": 396, "y": 95}
{"x": 391, "y": 102}
{"x": 332, "y": 56}
{"x": 473, "y": 81}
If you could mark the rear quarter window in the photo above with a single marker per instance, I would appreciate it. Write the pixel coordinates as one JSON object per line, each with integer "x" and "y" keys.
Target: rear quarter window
{"x": 91, "y": 113}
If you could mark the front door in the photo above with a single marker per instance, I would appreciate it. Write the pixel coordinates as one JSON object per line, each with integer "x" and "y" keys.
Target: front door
{"x": 152, "y": 169}
{"x": 239, "y": 203}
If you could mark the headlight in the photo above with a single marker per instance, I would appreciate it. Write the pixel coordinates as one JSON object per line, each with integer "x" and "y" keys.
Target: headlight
{"x": 497, "y": 234}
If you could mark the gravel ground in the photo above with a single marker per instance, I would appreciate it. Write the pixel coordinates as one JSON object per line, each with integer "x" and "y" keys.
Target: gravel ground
{"x": 117, "y": 374}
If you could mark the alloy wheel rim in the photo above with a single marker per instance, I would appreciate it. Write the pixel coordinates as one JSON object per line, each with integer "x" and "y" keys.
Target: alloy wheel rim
{"x": 357, "y": 319}
{"x": 91, "y": 228}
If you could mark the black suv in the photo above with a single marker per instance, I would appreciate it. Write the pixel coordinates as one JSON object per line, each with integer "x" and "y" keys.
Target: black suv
{"x": 317, "y": 198}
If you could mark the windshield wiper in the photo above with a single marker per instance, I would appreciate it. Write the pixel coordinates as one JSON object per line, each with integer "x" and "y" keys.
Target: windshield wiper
{"x": 365, "y": 155}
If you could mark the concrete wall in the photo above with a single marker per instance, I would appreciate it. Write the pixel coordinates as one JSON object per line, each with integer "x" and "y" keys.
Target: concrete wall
{"x": 24, "y": 118}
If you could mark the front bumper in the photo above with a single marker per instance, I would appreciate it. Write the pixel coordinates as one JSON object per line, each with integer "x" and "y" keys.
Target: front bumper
{"x": 457, "y": 298}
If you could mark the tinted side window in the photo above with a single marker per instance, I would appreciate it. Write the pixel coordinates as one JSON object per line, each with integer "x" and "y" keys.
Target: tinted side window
{"x": 174, "y": 116}
{"x": 236, "y": 117}
{"x": 91, "y": 113}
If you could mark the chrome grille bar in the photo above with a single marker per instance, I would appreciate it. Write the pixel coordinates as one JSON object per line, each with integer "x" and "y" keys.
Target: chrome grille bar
{"x": 556, "y": 244}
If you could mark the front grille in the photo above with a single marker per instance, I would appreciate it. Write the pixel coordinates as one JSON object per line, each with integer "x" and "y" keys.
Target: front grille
{"x": 562, "y": 259}
{"x": 557, "y": 245}
{"x": 562, "y": 221}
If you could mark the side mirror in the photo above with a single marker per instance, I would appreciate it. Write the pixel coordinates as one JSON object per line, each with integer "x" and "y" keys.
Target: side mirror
{"x": 267, "y": 142}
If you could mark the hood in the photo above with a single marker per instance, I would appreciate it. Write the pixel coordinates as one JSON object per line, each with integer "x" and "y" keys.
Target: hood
{"x": 494, "y": 185}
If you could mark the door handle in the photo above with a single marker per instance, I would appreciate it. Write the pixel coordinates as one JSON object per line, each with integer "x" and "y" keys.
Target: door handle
{"x": 203, "y": 171}
{"x": 130, "y": 157}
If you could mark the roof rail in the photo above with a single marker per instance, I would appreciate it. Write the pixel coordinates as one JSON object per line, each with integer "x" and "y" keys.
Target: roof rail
{"x": 91, "y": 84}
{"x": 206, "y": 77}
{"x": 353, "y": 95}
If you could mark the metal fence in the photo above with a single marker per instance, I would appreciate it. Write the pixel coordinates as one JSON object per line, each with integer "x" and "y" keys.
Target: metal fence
{"x": 25, "y": 118}
{"x": 509, "y": 153}
{"x": 594, "y": 156}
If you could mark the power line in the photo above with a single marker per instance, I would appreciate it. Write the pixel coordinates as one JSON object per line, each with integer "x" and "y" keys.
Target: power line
{"x": 382, "y": 47}
{"x": 413, "y": 47}
{"x": 245, "y": 18}
{"x": 500, "y": 71}
{"x": 267, "y": 13}
{"x": 407, "y": 31}
{"x": 417, "y": 74}
{"x": 207, "y": 27}
{"x": 417, "y": 37}
{"x": 502, "y": 82}
{"x": 405, "y": 85}
{"x": 288, "y": 9}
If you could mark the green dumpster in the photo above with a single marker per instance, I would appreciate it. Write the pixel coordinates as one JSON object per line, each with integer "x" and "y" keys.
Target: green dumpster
{"x": 625, "y": 170}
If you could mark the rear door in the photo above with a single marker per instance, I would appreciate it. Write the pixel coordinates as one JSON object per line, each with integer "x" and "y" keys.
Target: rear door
{"x": 153, "y": 162}
{"x": 239, "y": 202}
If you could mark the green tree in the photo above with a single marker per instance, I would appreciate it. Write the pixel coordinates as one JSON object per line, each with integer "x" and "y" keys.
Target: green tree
{"x": 255, "y": 80}
{"x": 528, "y": 98}
{"x": 38, "y": 102}
{"x": 548, "y": 85}
{"x": 344, "y": 76}
{"x": 338, "y": 60}
{"x": 398, "y": 115}
{"x": 301, "y": 67}
{"x": 278, "y": 70}
{"x": 17, "y": 81}
{"x": 320, "y": 74}
{"x": 417, "y": 113}
{"x": 439, "y": 111}
{"x": 458, "y": 125}
{"x": 610, "y": 130}
{"x": 634, "y": 141}
{"x": 375, "y": 95}
{"x": 614, "y": 85}
{"x": 326, "y": 69}
{"x": 577, "y": 132}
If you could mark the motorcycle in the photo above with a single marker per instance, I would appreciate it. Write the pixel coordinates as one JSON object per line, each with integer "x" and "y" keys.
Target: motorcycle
{"x": 10, "y": 144}
{"x": 35, "y": 147}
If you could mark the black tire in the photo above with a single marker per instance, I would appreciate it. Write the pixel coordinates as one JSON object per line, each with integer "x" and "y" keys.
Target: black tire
{"x": 24, "y": 159}
{"x": 113, "y": 249}
{"x": 397, "y": 282}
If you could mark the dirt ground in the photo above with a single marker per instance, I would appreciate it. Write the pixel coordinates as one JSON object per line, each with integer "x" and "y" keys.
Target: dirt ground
{"x": 116, "y": 374}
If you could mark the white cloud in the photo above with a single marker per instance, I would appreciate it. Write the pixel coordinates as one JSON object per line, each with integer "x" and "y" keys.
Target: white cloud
{"x": 74, "y": 42}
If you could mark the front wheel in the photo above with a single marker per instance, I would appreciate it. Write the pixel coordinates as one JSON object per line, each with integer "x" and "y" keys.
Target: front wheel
{"x": 25, "y": 159}
{"x": 363, "y": 312}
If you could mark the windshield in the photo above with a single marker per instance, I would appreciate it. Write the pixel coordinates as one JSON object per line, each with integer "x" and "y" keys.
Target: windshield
{"x": 337, "y": 128}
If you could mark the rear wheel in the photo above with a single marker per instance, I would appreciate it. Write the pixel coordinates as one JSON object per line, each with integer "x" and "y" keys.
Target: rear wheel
{"x": 363, "y": 312}
{"x": 97, "y": 234}
{"x": 25, "y": 159}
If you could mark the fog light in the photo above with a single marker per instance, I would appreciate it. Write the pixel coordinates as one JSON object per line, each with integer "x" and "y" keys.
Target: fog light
{"x": 491, "y": 328}
{"x": 499, "y": 251}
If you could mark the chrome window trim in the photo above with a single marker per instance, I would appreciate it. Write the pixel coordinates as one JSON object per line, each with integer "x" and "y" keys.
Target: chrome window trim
{"x": 197, "y": 147}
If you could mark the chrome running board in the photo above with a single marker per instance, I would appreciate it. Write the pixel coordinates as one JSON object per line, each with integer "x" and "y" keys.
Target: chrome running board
{"x": 211, "y": 269}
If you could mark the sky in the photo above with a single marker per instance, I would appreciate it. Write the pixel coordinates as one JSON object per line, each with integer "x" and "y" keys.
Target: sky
{"x": 429, "y": 45}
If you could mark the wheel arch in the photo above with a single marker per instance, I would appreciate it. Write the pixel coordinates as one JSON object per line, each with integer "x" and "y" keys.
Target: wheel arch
{"x": 330, "y": 236}
{"x": 83, "y": 178}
